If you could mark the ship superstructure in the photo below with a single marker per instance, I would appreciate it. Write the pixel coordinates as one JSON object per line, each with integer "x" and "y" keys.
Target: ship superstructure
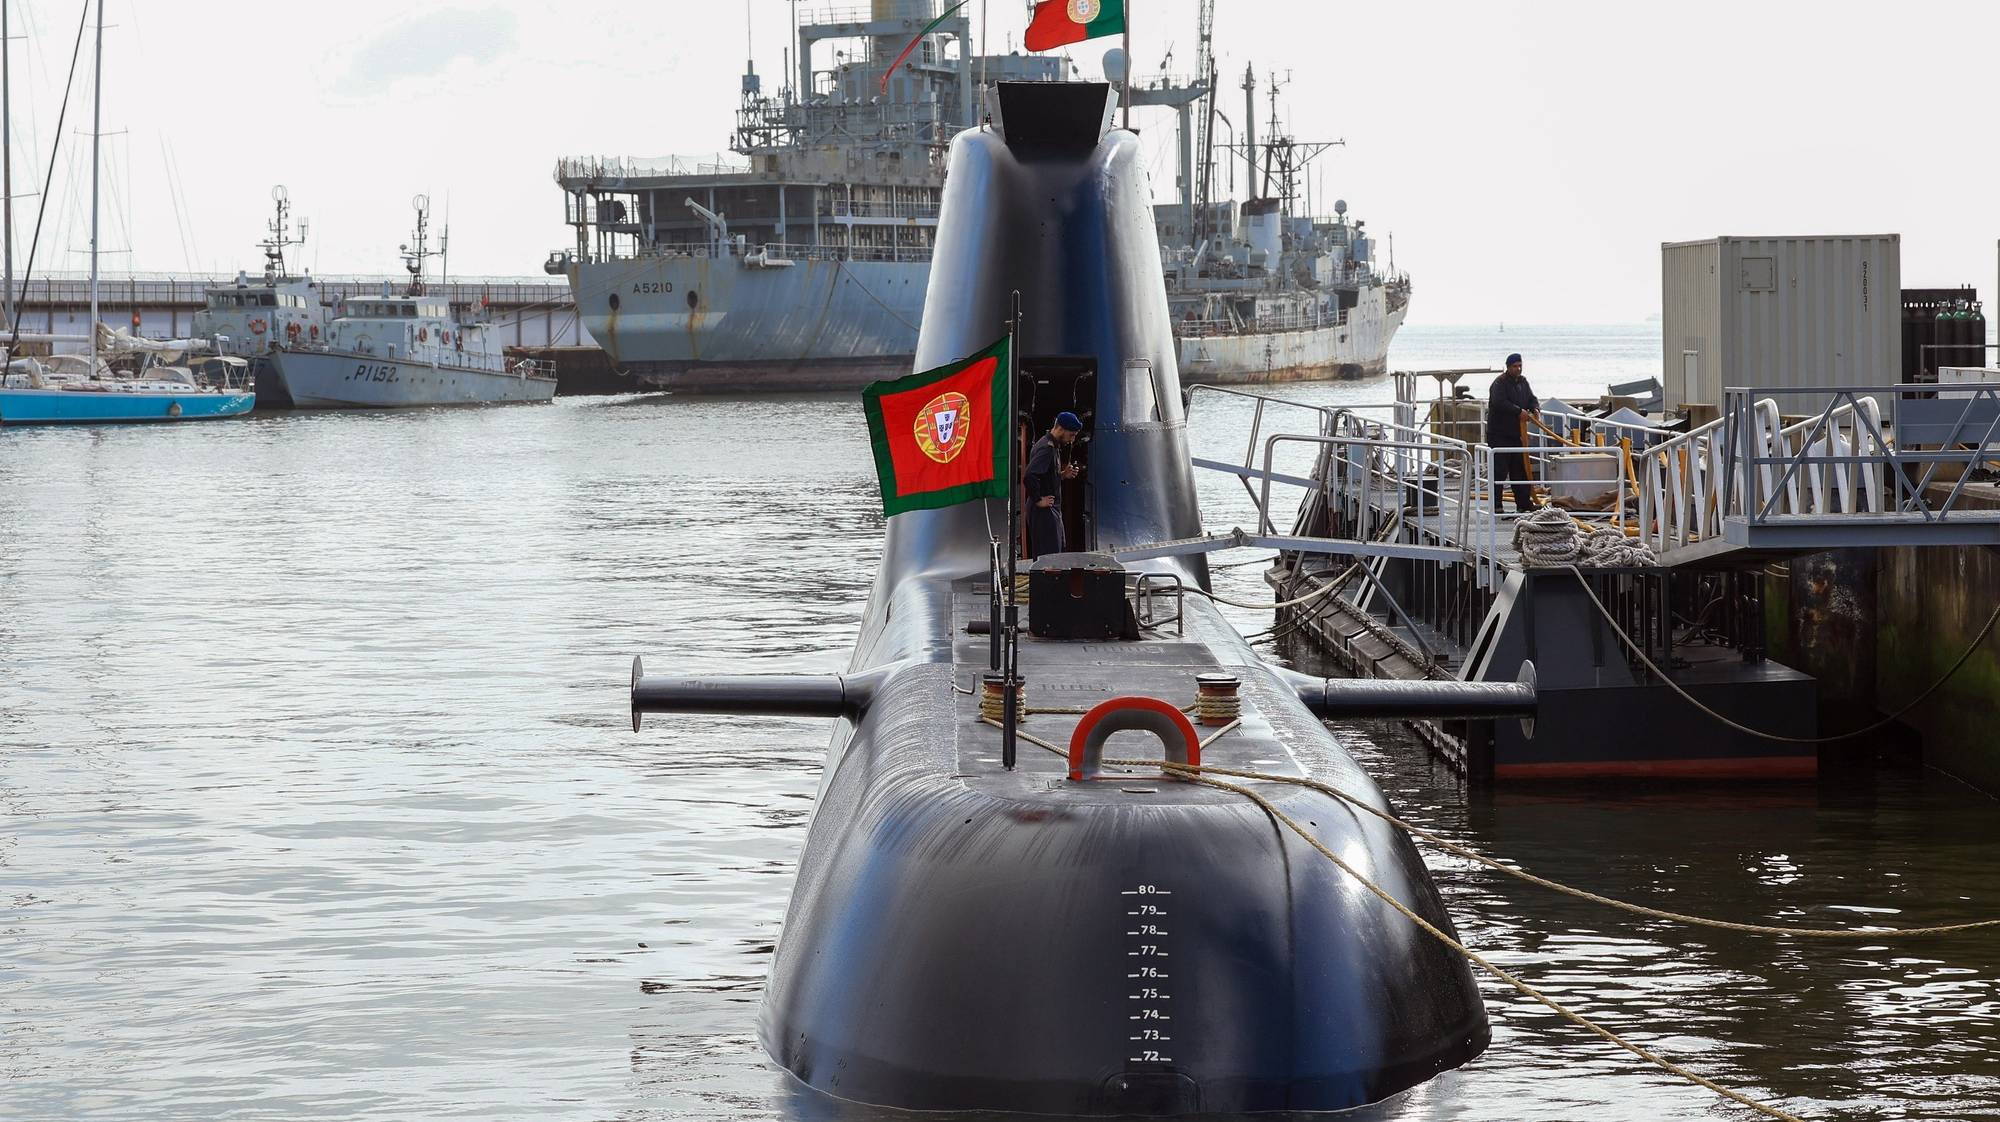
{"x": 803, "y": 266}
{"x": 1261, "y": 292}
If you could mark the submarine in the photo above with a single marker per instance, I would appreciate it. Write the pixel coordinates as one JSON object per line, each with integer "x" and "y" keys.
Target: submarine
{"x": 1049, "y": 932}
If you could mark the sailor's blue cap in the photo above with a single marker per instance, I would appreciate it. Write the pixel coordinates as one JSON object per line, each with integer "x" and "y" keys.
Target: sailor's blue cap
{"x": 1067, "y": 420}
{"x": 1512, "y": 359}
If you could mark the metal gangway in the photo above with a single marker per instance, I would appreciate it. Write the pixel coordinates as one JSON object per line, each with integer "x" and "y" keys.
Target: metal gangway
{"x": 1866, "y": 466}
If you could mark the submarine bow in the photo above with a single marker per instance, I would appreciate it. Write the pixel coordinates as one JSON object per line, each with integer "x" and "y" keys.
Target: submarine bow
{"x": 967, "y": 937}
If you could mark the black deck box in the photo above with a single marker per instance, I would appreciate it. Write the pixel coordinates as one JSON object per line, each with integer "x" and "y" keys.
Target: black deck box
{"x": 1076, "y": 596}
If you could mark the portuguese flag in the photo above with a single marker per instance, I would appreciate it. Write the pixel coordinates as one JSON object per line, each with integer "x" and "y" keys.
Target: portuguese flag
{"x": 940, "y": 437}
{"x": 1058, "y": 23}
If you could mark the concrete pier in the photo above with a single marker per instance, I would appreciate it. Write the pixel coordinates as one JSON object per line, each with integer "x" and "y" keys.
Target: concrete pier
{"x": 531, "y": 311}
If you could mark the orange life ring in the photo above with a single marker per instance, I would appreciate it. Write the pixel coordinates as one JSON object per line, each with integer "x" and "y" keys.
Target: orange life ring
{"x": 256, "y": 327}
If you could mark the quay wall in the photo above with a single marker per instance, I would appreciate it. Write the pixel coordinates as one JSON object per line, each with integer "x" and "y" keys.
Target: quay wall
{"x": 1930, "y": 604}
{"x": 1877, "y": 627}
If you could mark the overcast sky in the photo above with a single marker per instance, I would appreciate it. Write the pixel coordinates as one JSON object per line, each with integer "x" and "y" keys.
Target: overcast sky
{"x": 1528, "y": 158}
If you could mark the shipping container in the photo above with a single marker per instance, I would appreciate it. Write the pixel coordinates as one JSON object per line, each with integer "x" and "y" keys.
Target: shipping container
{"x": 1771, "y": 313}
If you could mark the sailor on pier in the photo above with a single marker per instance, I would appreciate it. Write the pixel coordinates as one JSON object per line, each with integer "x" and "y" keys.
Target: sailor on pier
{"x": 1511, "y": 402}
{"x": 1045, "y": 475}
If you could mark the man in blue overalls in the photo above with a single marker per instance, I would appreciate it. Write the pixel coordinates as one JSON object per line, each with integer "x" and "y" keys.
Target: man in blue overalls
{"x": 1043, "y": 481}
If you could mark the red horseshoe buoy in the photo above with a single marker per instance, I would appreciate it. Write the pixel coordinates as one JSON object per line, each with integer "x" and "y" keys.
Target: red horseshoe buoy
{"x": 422, "y": 334}
{"x": 292, "y": 329}
{"x": 1086, "y": 744}
{"x": 315, "y": 331}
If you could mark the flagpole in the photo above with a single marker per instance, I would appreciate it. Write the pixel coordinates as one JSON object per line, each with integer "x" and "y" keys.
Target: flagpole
{"x": 1128, "y": 68}
{"x": 1010, "y": 657}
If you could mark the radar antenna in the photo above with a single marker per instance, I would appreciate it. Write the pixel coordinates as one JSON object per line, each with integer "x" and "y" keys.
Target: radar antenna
{"x": 1285, "y": 157}
{"x": 413, "y": 256}
{"x": 274, "y": 245}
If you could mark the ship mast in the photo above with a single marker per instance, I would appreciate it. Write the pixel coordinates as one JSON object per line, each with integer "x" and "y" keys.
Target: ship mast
{"x": 413, "y": 259}
{"x": 7, "y": 161}
{"x": 96, "y": 139}
{"x": 274, "y": 246}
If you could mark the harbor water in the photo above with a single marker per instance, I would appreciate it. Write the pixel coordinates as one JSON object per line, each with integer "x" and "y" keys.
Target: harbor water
{"x": 321, "y": 800}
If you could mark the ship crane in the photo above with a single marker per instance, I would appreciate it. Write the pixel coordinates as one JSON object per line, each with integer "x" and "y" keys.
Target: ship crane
{"x": 1204, "y": 69}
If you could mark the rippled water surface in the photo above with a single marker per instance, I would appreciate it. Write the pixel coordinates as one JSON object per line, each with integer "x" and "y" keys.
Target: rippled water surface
{"x": 321, "y": 802}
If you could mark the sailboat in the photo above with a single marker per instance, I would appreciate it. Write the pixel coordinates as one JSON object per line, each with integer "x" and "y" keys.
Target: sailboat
{"x": 33, "y": 392}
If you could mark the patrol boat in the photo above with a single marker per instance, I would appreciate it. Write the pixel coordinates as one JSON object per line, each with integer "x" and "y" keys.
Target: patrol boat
{"x": 246, "y": 320}
{"x": 392, "y": 351}
{"x": 1050, "y": 932}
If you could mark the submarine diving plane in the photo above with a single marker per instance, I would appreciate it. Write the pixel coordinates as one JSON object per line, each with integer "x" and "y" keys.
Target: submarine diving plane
{"x": 1066, "y": 936}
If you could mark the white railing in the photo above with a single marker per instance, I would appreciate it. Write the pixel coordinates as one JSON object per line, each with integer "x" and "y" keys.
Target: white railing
{"x": 613, "y": 168}
{"x": 1750, "y": 464}
{"x": 1260, "y": 325}
{"x": 864, "y": 208}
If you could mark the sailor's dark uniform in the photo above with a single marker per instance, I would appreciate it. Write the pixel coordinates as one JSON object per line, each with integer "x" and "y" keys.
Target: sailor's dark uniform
{"x": 1044, "y": 478}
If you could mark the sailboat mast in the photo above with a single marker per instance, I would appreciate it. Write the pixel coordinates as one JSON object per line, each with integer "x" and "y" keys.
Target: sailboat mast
{"x": 96, "y": 137}
{"x": 7, "y": 160}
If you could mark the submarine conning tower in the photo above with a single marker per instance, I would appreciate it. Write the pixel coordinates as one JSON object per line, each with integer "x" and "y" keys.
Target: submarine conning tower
{"x": 1048, "y": 201}
{"x": 1069, "y": 936}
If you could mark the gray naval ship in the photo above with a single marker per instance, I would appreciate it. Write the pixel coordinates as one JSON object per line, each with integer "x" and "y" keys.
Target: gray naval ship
{"x": 389, "y": 351}
{"x": 1259, "y": 291}
{"x": 249, "y": 318}
{"x": 804, "y": 267}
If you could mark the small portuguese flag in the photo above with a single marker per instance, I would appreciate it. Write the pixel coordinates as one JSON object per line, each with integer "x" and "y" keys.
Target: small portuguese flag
{"x": 1058, "y": 23}
{"x": 940, "y": 437}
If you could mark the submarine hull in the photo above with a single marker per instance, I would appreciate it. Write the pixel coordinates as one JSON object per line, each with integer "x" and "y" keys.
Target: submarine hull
{"x": 967, "y": 937}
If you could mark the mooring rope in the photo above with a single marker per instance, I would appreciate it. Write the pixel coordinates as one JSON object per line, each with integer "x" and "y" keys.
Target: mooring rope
{"x": 1885, "y": 722}
{"x": 1477, "y": 959}
{"x": 1308, "y": 598}
{"x": 1568, "y": 890}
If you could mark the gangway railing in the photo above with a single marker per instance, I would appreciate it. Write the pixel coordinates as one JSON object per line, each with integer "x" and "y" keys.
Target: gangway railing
{"x": 1864, "y": 468}
{"x": 1853, "y": 465}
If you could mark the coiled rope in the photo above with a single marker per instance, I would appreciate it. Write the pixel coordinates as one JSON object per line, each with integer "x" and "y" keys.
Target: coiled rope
{"x": 1885, "y": 722}
{"x": 1550, "y": 538}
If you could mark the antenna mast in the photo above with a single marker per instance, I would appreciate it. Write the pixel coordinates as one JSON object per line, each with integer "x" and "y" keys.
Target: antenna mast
{"x": 274, "y": 246}
{"x": 413, "y": 258}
